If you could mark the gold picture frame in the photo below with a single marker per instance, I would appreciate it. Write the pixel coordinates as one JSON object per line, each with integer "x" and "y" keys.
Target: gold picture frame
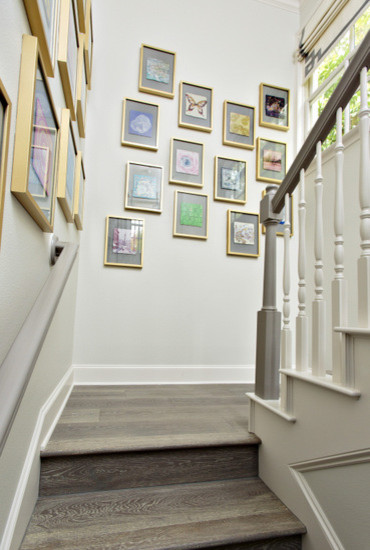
{"x": 68, "y": 49}
{"x": 140, "y": 124}
{"x": 239, "y": 125}
{"x": 79, "y": 192}
{"x": 274, "y": 107}
{"x": 144, "y": 187}
{"x": 88, "y": 43}
{"x": 124, "y": 242}
{"x": 5, "y": 118}
{"x": 43, "y": 20}
{"x": 230, "y": 180}
{"x": 195, "y": 107}
{"x": 191, "y": 213}
{"x": 157, "y": 71}
{"x": 271, "y": 159}
{"x": 243, "y": 233}
{"x": 80, "y": 5}
{"x": 66, "y": 166}
{"x": 36, "y": 139}
{"x": 186, "y": 162}
{"x": 81, "y": 89}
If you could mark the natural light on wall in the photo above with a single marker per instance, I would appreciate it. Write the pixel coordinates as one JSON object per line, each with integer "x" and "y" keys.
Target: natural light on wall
{"x": 324, "y": 79}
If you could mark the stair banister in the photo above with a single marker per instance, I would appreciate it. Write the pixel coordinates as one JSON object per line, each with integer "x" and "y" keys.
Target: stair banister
{"x": 347, "y": 86}
{"x": 17, "y": 367}
{"x": 268, "y": 319}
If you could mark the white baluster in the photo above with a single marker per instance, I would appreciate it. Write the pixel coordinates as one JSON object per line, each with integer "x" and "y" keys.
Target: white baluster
{"x": 302, "y": 320}
{"x": 347, "y": 120}
{"x": 318, "y": 306}
{"x": 339, "y": 284}
{"x": 286, "y": 333}
{"x": 364, "y": 260}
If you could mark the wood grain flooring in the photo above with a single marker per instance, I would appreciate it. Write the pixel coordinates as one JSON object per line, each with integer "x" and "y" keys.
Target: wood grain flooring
{"x": 133, "y": 418}
{"x": 187, "y": 516}
{"x": 157, "y": 468}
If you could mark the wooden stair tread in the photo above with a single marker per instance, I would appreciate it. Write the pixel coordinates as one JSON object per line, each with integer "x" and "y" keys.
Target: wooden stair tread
{"x": 186, "y": 516}
{"x": 135, "y": 418}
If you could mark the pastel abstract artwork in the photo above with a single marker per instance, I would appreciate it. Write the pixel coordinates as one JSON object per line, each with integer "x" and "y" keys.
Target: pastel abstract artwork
{"x": 40, "y": 163}
{"x": 140, "y": 124}
{"x": 272, "y": 160}
{"x": 196, "y": 106}
{"x": 144, "y": 187}
{"x": 244, "y": 233}
{"x": 124, "y": 241}
{"x": 240, "y": 124}
{"x": 158, "y": 70}
{"x": 230, "y": 179}
{"x": 187, "y": 162}
{"x": 191, "y": 214}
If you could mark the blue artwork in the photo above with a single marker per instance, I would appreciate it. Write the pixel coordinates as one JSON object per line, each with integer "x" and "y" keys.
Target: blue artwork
{"x": 140, "y": 124}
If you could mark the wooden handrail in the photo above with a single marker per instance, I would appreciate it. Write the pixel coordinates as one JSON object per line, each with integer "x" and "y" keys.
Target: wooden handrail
{"x": 342, "y": 94}
{"x": 18, "y": 365}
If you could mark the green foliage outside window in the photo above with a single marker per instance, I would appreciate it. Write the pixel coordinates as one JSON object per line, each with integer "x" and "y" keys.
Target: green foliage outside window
{"x": 331, "y": 62}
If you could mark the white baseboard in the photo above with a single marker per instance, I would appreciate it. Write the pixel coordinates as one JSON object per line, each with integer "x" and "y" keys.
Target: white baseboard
{"x": 51, "y": 409}
{"x": 163, "y": 374}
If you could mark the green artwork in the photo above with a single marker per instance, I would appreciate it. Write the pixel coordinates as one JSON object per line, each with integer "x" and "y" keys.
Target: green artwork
{"x": 191, "y": 214}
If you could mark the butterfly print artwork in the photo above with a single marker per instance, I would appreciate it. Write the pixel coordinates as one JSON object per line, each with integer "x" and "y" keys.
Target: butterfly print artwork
{"x": 196, "y": 106}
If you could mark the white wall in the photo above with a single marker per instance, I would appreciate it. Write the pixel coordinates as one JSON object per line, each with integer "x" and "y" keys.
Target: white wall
{"x": 191, "y": 304}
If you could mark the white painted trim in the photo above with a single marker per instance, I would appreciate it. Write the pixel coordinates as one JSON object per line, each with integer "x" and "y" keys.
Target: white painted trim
{"x": 163, "y": 374}
{"x": 271, "y": 405}
{"x": 323, "y": 521}
{"x": 287, "y": 5}
{"x": 33, "y": 451}
{"x": 353, "y": 331}
{"x": 322, "y": 381}
{"x": 298, "y": 470}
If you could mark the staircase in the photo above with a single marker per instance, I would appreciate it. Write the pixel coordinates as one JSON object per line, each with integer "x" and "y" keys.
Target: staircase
{"x": 155, "y": 468}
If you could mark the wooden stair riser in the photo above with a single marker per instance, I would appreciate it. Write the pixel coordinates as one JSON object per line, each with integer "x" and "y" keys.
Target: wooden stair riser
{"x": 109, "y": 471}
{"x": 281, "y": 543}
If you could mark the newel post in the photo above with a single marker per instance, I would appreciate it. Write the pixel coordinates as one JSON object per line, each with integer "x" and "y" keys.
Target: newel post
{"x": 268, "y": 318}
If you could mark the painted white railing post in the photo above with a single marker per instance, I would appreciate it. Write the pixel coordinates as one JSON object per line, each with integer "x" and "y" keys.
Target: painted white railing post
{"x": 286, "y": 333}
{"x": 318, "y": 306}
{"x": 364, "y": 260}
{"x": 347, "y": 115}
{"x": 268, "y": 318}
{"x": 339, "y": 284}
{"x": 302, "y": 320}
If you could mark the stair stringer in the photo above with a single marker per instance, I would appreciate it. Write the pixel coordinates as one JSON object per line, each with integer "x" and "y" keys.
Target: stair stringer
{"x": 329, "y": 426}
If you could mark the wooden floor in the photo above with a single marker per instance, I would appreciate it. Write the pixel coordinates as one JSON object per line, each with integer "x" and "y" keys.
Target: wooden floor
{"x": 157, "y": 468}
{"x": 122, "y": 418}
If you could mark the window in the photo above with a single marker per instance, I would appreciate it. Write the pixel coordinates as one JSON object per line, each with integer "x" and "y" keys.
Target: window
{"x": 325, "y": 78}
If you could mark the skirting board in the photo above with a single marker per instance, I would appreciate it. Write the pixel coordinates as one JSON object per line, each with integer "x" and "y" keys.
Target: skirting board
{"x": 162, "y": 374}
{"x": 47, "y": 418}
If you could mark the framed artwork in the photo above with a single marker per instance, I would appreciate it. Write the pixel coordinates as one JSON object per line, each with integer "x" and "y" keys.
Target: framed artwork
{"x": 36, "y": 136}
{"x": 5, "y": 116}
{"x": 195, "y": 107}
{"x": 271, "y": 160}
{"x": 144, "y": 187}
{"x": 239, "y": 125}
{"x": 157, "y": 71}
{"x": 66, "y": 166}
{"x": 81, "y": 10}
{"x": 124, "y": 242}
{"x": 186, "y": 162}
{"x": 79, "y": 192}
{"x": 230, "y": 180}
{"x": 274, "y": 107}
{"x": 190, "y": 215}
{"x": 280, "y": 228}
{"x": 81, "y": 89}
{"x": 243, "y": 237}
{"x": 68, "y": 52}
{"x": 88, "y": 43}
{"x": 43, "y": 17}
{"x": 140, "y": 123}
